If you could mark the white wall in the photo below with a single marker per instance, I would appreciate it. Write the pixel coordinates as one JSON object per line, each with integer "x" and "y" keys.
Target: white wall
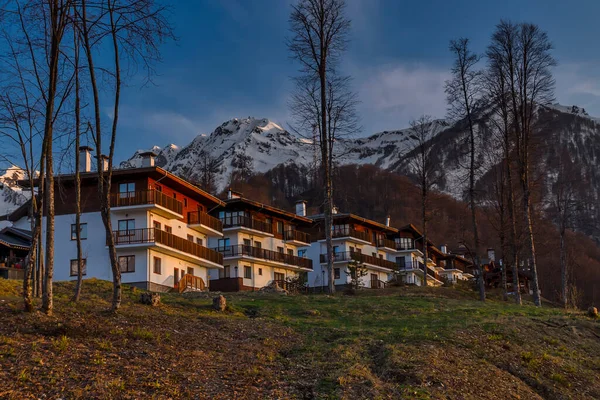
{"x": 96, "y": 253}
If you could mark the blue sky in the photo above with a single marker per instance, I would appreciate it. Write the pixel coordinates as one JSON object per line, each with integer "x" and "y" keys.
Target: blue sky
{"x": 230, "y": 60}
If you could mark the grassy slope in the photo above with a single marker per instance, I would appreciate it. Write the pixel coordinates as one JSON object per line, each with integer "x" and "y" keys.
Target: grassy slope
{"x": 398, "y": 343}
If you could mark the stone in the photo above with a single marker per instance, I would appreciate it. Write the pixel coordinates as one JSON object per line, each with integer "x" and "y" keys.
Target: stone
{"x": 151, "y": 299}
{"x": 273, "y": 287}
{"x": 592, "y": 312}
{"x": 219, "y": 303}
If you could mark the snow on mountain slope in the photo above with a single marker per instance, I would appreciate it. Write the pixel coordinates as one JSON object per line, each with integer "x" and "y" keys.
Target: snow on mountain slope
{"x": 254, "y": 145}
{"x": 164, "y": 156}
{"x": 11, "y": 196}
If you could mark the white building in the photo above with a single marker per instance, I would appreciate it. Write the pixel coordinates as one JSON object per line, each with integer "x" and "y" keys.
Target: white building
{"x": 160, "y": 227}
{"x": 355, "y": 239}
{"x": 261, "y": 244}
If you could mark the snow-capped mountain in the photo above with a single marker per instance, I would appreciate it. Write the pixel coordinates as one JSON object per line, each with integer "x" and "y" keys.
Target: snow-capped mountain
{"x": 11, "y": 195}
{"x": 252, "y": 145}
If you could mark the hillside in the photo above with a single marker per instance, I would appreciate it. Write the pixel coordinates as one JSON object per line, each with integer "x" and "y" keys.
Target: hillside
{"x": 405, "y": 342}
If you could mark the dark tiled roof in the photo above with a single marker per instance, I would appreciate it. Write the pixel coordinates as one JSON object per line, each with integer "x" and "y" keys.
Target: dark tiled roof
{"x": 15, "y": 238}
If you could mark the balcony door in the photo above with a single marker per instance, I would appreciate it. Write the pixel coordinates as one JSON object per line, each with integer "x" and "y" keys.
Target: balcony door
{"x": 278, "y": 276}
{"x": 126, "y": 227}
{"x": 374, "y": 281}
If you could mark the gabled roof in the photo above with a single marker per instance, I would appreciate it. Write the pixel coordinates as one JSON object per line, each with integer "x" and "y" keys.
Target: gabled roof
{"x": 359, "y": 219}
{"x": 155, "y": 172}
{"x": 14, "y": 238}
{"x": 247, "y": 203}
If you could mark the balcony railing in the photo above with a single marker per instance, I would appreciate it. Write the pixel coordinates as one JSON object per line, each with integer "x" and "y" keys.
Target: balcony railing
{"x": 359, "y": 257}
{"x": 298, "y": 236}
{"x": 390, "y": 244}
{"x": 417, "y": 265}
{"x": 155, "y": 235}
{"x": 347, "y": 232}
{"x": 142, "y": 197}
{"x": 246, "y": 222}
{"x": 202, "y": 218}
{"x": 257, "y": 252}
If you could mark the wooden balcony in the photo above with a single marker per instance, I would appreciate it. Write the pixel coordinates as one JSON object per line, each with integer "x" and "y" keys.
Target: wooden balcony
{"x": 240, "y": 221}
{"x": 268, "y": 256}
{"x": 202, "y": 222}
{"x": 180, "y": 246}
{"x": 144, "y": 199}
{"x": 297, "y": 237}
{"x": 389, "y": 244}
{"x": 359, "y": 257}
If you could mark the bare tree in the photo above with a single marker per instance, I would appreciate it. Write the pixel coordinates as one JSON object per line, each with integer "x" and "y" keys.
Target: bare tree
{"x": 133, "y": 30}
{"x": 463, "y": 95}
{"x": 563, "y": 208}
{"x": 497, "y": 84}
{"x": 34, "y": 31}
{"x": 527, "y": 62}
{"x": 423, "y": 166}
{"x": 322, "y": 99}
{"x": 76, "y": 45}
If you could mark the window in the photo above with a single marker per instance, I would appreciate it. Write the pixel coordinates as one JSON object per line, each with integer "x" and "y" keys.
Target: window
{"x": 247, "y": 272}
{"x": 278, "y": 276}
{"x": 247, "y": 242}
{"x": 157, "y": 265}
{"x": 126, "y": 190}
{"x": 127, "y": 263}
{"x": 227, "y": 271}
{"x": 280, "y": 249}
{"x": 190, "y": 238}
{"x": 126, "y": 227}
{"x": 374, "y": 254}
{"x": 280, "y": 227}
{"x": 82, "y": 231}
{"x": 341, "y": 230}
{"x": 351, "y": 249}
{"x": 176, "y": 275}
{"x": 157, "y": 225}
{"x": 199, "y": 241}
{"x": 335, "y": 249}
{"x": 269, "y": 222}
{"x": 302, "y": 253}
{"x": 260, "y": 271}
{"x": 74, "y": 263}
{"x": 405, "y": 243}
{"x": 290, "y": 252}
{"x": 190, "y": 271}
{"x": 185, "y": 201}
{"x": 158, "y": 188}
{"x": 336, "y": 273}
{"x": 175, "y": 196}
{"x": 168, "y": 229}
{"x": 258, "y": 245}
{"x": 223, "y": 243}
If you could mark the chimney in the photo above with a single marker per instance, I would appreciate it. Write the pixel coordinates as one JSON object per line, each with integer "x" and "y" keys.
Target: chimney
{"x": 334, "y": 210}
{"x": 85, "y": 158}
{"x": 148, "y": 159}
{"x": 387, "y": 220}
{"x": 491, "y": 254}
{"x": 301, "y": 208}
{"x": 444, "y": 248}
{"x": 104, "y": 162}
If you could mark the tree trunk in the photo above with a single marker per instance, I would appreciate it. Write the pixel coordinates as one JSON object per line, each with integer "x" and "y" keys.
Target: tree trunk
{"x": 424, "y": 216}
{"x": 529, "y": 225}
{"x": 77, "y": 293}
{"x": 563, "y": 268}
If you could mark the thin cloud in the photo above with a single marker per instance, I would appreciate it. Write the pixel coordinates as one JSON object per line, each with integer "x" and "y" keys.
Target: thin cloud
{"x": 394, "y": 94}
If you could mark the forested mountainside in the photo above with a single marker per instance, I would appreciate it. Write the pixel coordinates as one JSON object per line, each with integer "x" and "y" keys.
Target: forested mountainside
{"x": 376, "y": 193}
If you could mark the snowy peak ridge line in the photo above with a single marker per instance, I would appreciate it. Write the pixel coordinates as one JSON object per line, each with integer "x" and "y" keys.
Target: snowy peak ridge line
{"x": 257, "y": 145}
